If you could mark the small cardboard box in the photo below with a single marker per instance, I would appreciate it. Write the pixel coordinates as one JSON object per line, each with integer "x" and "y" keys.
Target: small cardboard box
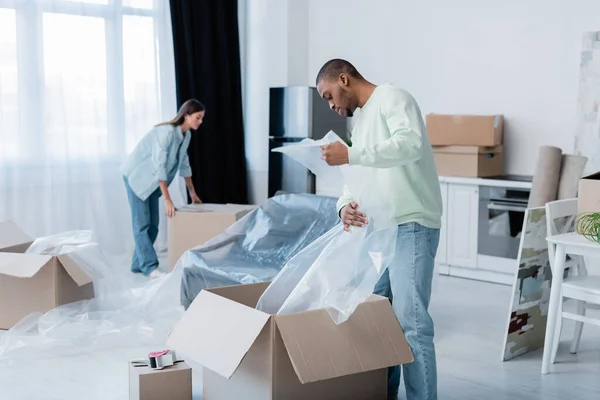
{"x": 194, "y": 225}
{"x": 465, "y": 130}
{"x": 13, "y": 239}
{"x": 38, "y": 283}
{"x": 589, "y": 194}
{"x": 173, "y": 383}
{"x": 251, "y": 355}
{"x": 469, "y": 161}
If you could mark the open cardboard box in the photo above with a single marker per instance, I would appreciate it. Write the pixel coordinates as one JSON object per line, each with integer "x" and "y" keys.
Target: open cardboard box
{"x": 35, "y": 283}
{"x": 195, "y": 224}
{"x": 252, "y": 355}
{"x": 13, "y": 239}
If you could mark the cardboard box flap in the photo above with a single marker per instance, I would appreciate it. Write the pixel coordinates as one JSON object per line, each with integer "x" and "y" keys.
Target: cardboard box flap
{"x": 468, "y": 149}
{"x": 22, "y": 265}
{"x": 319, "y": 349}
{"x": 74, "y": 270}
{"x": 11, "y": 235}
{"x": 216, "y": 332}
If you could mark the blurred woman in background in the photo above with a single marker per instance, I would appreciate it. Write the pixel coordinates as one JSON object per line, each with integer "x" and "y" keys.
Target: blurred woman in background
{"x": 148, "y": 172}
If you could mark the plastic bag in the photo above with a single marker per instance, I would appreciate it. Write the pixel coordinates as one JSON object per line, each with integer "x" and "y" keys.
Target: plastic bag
{"x": 339, "y": 270}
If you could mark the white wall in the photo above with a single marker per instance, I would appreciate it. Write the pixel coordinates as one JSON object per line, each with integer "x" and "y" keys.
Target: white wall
{"x": 275, "y": 40}
{"x": 519, "y": 58}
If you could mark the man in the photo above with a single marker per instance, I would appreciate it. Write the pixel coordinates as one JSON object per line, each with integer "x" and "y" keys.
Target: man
{"x": 390, "y": 135}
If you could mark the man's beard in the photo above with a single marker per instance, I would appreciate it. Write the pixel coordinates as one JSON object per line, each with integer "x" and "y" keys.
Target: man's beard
{"x": 344, "y": 95}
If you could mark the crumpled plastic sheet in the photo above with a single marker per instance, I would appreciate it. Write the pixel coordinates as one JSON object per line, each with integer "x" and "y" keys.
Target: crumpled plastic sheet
{"x": 256, "y": 247}
{"x": 127, "y": 310}
{"x": 339, "y": 270}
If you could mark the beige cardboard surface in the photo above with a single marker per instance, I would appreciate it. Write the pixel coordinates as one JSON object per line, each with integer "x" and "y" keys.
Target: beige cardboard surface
{"x": 36, "y": 283}
{"x": 20, "y": 297}
{"x": 77, "y": 274}
{"x": 319, "y": 349}
{"x": 297, "y": 356}
{"x": 229, "y": 327}
{"x": 469, "y": 161}
{"x": 12, "y": 238}
{"x": 172, "y": 383}
{"x": 467, "y": 130}
{"x": 589, "y": 194}
{"x": 195, "y": 224}
{"x": 22, "y": 265}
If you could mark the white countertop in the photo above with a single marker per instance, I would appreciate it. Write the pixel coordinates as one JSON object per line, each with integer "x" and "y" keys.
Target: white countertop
{"x": 486, "y": 182}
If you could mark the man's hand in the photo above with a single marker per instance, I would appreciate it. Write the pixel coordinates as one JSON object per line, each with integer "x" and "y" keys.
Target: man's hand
{"x": 352, "y": 217}
{"x": 195, "y": 199}
{"x": 335, "y": 154}
{"x": 169, "y": 208}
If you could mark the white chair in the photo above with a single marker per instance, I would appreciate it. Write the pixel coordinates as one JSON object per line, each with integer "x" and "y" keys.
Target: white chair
{"x": 579, "y": 286}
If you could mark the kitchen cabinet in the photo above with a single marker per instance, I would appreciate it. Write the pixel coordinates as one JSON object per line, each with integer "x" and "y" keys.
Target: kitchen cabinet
{"x": 462, "y": 217}
{"x": 442, "y": 252}
{"x": 458, "y": 249}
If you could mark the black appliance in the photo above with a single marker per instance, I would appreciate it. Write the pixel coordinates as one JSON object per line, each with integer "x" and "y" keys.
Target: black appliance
{"x": 297, "y": 113}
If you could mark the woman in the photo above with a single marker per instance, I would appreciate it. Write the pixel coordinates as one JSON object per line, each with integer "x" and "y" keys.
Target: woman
{"x": 148, "y": 172}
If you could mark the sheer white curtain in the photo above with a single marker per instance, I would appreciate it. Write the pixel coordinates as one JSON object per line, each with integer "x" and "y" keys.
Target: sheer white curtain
{"x": 80, "y": 83}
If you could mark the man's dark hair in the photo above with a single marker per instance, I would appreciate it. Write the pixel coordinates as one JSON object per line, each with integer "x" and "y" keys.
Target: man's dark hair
{"x": 332, "y": 69}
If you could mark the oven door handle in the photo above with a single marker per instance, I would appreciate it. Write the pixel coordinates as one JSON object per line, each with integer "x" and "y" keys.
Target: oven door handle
{"x": 502, "y": 207}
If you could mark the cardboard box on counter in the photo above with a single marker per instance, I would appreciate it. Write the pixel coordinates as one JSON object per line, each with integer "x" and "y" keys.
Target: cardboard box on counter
{"x": 38, "y": 283}
{"x": 173, "y": 382}
{"x": 469, "y": 161}
{"x": 248, "y": 354}
{"x": 589, "y": 194}
{"x": 194, "y": 225}
{"x": 465, "y": 130}
{"x": 13, "y": 239}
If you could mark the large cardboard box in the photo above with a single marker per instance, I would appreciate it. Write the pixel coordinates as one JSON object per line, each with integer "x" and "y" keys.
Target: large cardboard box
{"x": 38, "y": 283}
{"x": 251, "y": 355}
{"x": 589, "y": 194}
{"x": 469, "y": 161}
{"x": 172, "y": 383}
{"x": 13, "y": 239}
{"x": 194, "y": 225}
{"x": 465, "y": 130}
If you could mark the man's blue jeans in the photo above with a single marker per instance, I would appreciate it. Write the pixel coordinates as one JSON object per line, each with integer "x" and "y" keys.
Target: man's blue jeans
{"x": 144, "y": 218}
{"x": 407, "y": 282}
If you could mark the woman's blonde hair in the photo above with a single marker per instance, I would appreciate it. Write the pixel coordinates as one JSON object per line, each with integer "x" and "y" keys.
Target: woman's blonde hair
{"x": 191, "y": 106}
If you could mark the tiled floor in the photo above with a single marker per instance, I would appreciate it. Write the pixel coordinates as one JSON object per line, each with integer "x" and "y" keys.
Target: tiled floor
{"x": 470, "y": 320}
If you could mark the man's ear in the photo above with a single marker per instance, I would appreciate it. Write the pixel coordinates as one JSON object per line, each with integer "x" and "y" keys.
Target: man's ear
{"x": 344, "y": 79}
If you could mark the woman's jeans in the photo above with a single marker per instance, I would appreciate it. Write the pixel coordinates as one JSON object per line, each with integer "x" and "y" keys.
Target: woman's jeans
{"x": 407, "y": 282}
{"x": 144, "y": 218}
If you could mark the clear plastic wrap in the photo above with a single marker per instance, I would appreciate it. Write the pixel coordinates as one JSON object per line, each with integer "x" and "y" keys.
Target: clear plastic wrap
{"x": 131, "y": 311}
{"x": 127, "y": 311}
{"x": 339, "y": 270}
{"x": 257, "y": 246}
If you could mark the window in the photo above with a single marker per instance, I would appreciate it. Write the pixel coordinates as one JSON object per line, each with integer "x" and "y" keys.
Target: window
{"x": 78, "y": 78}
{"x": 139, "y": 72}
{"x": 9, "y": 101}
{"x": 75, "y": 85}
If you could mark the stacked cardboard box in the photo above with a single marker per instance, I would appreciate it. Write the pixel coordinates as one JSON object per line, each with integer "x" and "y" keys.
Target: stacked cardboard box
{"x": 194, "y": 225}
{"x": 33, "y": 282}
{"x": 467, "y": 145}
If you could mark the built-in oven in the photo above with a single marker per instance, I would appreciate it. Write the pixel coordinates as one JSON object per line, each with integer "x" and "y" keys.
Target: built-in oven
{"x": 501, "y": 215}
